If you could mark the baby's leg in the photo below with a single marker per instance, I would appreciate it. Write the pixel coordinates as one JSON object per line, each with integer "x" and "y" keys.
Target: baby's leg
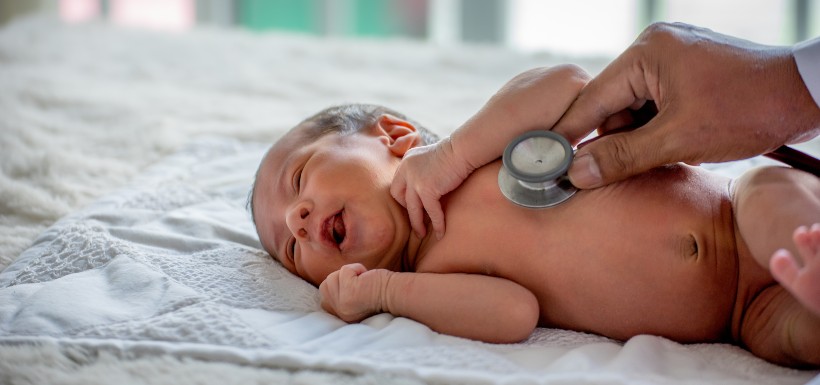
{"x": 802, "y": 281}
{"x": 778, "y": 328}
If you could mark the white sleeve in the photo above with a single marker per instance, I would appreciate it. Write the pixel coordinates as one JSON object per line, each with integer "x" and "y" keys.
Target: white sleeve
{"x": 807, "y": 56}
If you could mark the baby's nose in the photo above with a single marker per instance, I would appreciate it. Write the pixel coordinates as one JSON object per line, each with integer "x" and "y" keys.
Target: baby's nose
{"x": 301, "y": 234}
{"x": 298, "y": 220}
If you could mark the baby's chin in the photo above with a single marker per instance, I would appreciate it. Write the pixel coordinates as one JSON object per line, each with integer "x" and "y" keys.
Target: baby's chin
{"x": 391, "y": 242}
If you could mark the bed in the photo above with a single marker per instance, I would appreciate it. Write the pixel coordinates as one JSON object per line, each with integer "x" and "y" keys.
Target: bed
{"x": 127, "y": 253}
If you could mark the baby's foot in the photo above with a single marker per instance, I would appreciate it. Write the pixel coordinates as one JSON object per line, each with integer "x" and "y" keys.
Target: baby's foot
{"x": 802, "y": 281}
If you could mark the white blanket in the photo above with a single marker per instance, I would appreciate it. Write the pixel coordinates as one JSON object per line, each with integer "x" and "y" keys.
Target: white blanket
{"x": 164, "y": 278}
{"x": 171, "y": 265}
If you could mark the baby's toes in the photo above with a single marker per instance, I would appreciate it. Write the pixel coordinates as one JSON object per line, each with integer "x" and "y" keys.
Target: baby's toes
{"x": 814, "y": 235}
{"x": 807, "y": 242}
{"x": 784, "y": 268}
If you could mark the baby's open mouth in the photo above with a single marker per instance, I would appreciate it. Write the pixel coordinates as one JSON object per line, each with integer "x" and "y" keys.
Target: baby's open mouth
{"x": 337, "y": 228}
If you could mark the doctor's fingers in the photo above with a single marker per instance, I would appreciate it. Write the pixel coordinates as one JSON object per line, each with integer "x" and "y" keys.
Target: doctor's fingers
{"x": 624, "y": 120}
{"x": 620, "y": 87}
{"x": 652, "y": 68}
{"x": 637, "y": 115}
{"x": 618, "y": 156}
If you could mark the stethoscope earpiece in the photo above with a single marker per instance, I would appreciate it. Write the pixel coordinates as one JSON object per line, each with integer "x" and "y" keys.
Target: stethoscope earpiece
{"x": 535, "y": 168}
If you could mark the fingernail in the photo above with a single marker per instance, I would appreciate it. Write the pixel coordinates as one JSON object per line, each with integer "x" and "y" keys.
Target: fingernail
{"x": 439, "y": 235}
{"x": 584, "y": 172}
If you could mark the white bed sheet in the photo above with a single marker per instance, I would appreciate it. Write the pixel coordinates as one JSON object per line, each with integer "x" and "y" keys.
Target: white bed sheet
{"x": 170, "y": 265}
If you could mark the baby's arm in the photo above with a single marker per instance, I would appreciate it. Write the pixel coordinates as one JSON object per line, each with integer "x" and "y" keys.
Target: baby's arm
{"x": 535, "y": 99}
{"x": 777, "y": 213}
{"x": 472, "y": 306}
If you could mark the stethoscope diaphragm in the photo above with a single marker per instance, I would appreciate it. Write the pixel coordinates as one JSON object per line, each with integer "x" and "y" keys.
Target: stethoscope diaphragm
{"x": 534, "y": 171}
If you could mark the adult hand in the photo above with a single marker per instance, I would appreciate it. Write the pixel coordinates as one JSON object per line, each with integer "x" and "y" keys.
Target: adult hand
{"x": 718, "y": 98}
{"x": 425, "y": 175}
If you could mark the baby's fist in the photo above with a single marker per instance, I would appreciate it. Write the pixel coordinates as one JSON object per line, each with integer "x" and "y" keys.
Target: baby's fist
{"x": 353, "y": 293}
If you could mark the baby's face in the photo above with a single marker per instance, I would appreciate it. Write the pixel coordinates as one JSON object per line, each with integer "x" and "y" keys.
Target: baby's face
{"x": 320, "y": 204}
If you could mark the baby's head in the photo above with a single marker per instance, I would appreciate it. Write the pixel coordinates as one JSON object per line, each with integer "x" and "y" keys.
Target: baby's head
{"x": 322, "y": 193}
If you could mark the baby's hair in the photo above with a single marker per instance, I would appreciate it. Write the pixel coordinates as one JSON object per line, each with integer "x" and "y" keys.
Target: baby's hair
{"x": 351, "y": 118}
{"x": 345, "y": 119}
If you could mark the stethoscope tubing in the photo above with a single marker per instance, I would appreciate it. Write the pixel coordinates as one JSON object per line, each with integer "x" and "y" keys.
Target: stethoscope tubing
{"x": 796, "y": 158}
{"x": 784, "y": 154}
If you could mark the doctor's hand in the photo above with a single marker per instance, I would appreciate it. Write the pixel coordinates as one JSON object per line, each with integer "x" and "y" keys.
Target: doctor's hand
{"x": 425, "y": 175}
{"x": 353, "y": 293}
{"x": 718, "y": 98}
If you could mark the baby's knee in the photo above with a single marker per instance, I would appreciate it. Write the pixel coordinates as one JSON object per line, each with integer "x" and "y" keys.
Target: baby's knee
{"x": 802, "y": 337}
{"x": 777, "y": 328}
{"x": 772, "y": 179}
{"x": 760, "y": 191}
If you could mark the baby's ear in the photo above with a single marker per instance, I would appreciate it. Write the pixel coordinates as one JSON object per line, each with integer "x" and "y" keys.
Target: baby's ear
{"x": 398, "y": 134}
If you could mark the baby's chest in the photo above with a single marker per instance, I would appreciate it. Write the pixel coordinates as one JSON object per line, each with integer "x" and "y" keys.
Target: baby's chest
{"x": 487, "y": 234}
{"x": 492, "y": 248}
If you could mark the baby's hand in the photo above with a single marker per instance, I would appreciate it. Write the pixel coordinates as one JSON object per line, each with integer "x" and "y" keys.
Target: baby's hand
{"x": 423, "y": 177}
{"x": 353, "y": 293}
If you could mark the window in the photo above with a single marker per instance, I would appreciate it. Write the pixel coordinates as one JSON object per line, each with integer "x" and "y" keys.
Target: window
{"x": 590, "y": 27}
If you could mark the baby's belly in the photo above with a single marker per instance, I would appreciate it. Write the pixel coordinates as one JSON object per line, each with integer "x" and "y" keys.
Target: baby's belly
{"x": 610, "y": 261}
{"x": 683, "y": 301}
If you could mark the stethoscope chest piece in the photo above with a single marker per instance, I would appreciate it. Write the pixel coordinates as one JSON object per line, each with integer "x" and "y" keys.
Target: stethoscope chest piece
{"x": 535, "y": 167}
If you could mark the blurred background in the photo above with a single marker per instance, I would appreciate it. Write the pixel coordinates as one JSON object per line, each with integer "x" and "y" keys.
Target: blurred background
{"x": 581, "y": 28}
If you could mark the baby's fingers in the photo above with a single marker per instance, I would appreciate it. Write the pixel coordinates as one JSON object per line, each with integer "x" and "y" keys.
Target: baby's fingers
{"x": 351, "y": 270}
{"x": 329, "y": 290}
{"x": 784, "y": 267}
{"x": 436, "y": 214}
{"x": 807, "y": 241}
{"x": 415, "y": 210}
{"x": 398, "y": 189}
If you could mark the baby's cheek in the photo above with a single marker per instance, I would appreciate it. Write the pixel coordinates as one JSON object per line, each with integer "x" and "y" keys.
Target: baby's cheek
{"x": 318, "y": 274}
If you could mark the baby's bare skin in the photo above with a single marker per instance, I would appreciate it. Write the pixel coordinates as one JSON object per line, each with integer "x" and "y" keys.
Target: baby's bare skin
{"x": 654, "y": 255}
{"x": 676, "y": 252}
{"x": 627, "y": 265}
{"x": 658, "y": 254}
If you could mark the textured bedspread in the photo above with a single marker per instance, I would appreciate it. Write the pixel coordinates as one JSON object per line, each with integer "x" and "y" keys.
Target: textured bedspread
{"x": 126, "y": 157}
{"x": 170, "y": 265}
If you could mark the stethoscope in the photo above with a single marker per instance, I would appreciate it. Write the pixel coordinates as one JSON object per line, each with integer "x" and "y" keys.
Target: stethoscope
{"x": 535, "y": 164}
{"x": 534, "y": 174}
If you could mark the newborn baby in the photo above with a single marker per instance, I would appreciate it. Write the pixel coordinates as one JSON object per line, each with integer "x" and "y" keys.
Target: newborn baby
{"x": 677, "y": 252}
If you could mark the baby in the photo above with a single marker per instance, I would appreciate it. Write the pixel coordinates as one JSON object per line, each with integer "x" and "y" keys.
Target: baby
{"x": 677, "y": 252}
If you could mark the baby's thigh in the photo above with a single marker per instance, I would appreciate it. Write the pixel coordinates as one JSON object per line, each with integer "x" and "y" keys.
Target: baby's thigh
{"x": 778, "y": 328}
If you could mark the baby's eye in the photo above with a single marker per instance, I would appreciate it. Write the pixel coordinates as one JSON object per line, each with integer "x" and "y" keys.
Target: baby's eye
{"x": 297, "y": 180}
{"x": 292, "y": 249}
